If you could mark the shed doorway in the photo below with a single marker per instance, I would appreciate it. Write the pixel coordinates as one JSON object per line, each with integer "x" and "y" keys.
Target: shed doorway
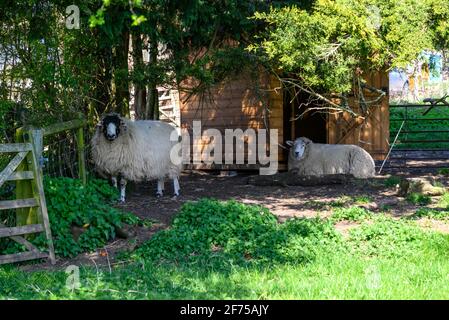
{"x": 311, "y": 124}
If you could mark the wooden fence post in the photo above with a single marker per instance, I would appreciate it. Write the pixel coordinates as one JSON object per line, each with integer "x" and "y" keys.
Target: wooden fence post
{"x": 24, "y": 188}
{"x": 81, "y": 155}
{"x": 36, "y": 138}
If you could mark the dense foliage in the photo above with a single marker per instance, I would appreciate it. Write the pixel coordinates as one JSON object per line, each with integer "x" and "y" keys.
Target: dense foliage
{"x": 210, "y": 229}
{"x": 327, "y": 50}
{"x": 86, "y": 208}
{"x": 82, "y": 217}
{"x": 51, "y": 73}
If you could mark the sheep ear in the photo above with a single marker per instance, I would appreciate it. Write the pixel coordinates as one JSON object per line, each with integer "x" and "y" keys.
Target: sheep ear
{"x": 289, "y": 143}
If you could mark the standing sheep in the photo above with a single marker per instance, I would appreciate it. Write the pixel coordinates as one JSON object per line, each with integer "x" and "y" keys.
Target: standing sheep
{"x": 317, "y": 159}
{"x": 136, "y": 151}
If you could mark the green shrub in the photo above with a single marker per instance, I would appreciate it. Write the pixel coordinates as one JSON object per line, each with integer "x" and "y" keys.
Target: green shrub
{"x": 231, "y": 231}
{"x": 86, "y": 209}
{"x": 386, "y": 237}
{"x": 341, "y": 201}
{"x": 419, "y": 199}
{"x": 392, "y": 181}
{"x": 431, "y": 213}
{"x": 444, "y": 171}
{"x": 70, "y": 204}
{"x": 444, "y": 201}
{"x": 351, "y": 214}
{"x": 362, "y": 199}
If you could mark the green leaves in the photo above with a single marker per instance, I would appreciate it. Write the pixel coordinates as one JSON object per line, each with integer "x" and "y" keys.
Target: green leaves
{"x": 137, "y": 20}
{"x": 325, "y": 46}
{"x": 81, "y": 217}
{"x": 351, "y": 214}
{"x": 232, "y": 231}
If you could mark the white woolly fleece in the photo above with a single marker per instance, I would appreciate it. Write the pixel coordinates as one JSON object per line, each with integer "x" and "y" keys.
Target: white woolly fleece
{"x": 321, "y": 159}
{"x": 140, "y": 153}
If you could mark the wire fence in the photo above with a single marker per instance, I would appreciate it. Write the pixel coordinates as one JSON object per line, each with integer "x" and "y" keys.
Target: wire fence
{"x": 60, "y": 157}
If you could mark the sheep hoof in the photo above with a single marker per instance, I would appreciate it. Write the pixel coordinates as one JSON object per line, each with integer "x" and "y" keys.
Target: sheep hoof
{"x": 121, "y": 201}
{"x": 159, "y": 194}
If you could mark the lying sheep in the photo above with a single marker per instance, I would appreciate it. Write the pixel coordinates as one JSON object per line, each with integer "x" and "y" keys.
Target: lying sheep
{"x": 136, "y": 151}
{"x": 308, "y": 158}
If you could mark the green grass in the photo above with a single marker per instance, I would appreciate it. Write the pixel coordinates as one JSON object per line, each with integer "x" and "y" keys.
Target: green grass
{"x": 240, "y": 252}
{"x": 419, "y": 199}
{"x": 417, "y": 125}
{"x": 350, "y": 214}
{"x": 444, "y": 201}
{"x": 432, "y": 214}
{"x": 362, "y": 199}
{"x": 444, "y": 171}
{"x": 392, "y": 181}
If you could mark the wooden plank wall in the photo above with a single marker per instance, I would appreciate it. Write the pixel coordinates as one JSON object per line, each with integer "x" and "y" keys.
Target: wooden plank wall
{"x": 373, "y": 135}
{"x": 235, "y": 104}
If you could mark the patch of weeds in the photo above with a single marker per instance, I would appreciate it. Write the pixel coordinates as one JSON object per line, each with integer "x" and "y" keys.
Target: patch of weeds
{"x": 362, "y": 199}
{"x": 438, "y": 184}
{"x": 350, "y": 214}
{"x": 431, "y": 214}
{"x": 385, "y": 207}
{"x": 444, "y": 201}
{"x": 444, "y": 171}
{"x": 315, "y": 205}
{"x": 133, "y": 220}
{"x": 386, "y": 237}
{"x": 82, "y": 217}
{"x": 341, "y": 201}
{"x": 232, "y": 232}
{"x": 392, "y": 181}
{"x": 419, "y": 199}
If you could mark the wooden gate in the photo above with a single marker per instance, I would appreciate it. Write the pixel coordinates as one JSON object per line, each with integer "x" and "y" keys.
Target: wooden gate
{"x": 25, "y": 152}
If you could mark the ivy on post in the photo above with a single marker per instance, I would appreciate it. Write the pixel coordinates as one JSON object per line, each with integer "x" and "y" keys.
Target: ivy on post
{"x": 24, "y": 189}
{"x": 81, "y": 155}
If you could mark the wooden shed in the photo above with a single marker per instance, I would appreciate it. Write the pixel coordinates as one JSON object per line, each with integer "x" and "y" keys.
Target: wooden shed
{"x": 244, "y": 103}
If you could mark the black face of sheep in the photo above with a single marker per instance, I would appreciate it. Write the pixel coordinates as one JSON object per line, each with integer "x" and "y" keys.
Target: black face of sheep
{"x": 111, "y": 126}
{"x": 298, "y": 147}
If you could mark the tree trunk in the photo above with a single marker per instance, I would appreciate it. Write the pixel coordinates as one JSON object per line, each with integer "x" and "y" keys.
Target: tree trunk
{"x": 101, "y": 101}
{"x": 139, "y": 87}
{"x": 152, "y": 105}
{"x": 121, "y": 75}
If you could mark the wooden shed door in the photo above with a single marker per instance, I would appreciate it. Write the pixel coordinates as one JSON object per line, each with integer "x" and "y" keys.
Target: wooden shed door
{"x": 311, "y": 124}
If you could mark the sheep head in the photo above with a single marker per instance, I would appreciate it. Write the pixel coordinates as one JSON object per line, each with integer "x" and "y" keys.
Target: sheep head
{"x": 298, "y": 147}
{"x": 111, "y": 125}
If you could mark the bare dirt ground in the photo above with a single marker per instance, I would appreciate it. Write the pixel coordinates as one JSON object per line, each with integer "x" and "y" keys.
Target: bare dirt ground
{"x": 284, "y": 202}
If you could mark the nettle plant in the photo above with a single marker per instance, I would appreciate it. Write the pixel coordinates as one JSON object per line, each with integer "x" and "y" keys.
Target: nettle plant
{"x": 82, "y": 217}
{"x": 231, "y": 232}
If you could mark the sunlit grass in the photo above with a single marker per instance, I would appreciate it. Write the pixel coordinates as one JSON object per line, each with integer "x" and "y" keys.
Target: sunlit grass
{"x": 381, "y": 258}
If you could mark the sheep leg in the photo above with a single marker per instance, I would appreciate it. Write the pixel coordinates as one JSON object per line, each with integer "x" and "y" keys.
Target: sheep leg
{"x": 114, "y": 182}
{"x": 122, "y": 190}
{"x": 160, "y": 188}
{"x": 176, "y": 186}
